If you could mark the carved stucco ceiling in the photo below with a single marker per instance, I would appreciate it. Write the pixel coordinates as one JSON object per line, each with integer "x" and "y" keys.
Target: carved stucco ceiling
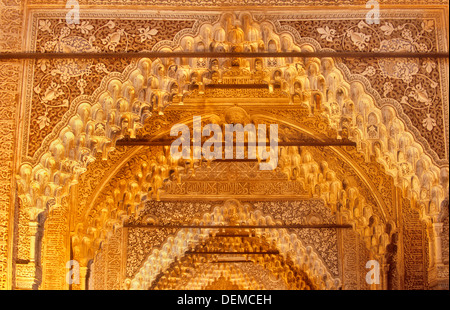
{"x": 58, "y": 84}
{"x": 289, "y": 212}
{"x": 382, "y": 126}
{"x": 96, "y": 197}
{"x": 103, "y": 176}
{"x": 49, "y": 98}
{"x": 76, "y": 71}
{"x": 123, "y": 165}
{"x": 255, "y": 275}
{"x": 415, "y": 87}
{"x": 165, "y": 261}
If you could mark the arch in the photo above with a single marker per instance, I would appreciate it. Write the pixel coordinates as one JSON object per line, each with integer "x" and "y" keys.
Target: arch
{"x": 218, "y": 276}
{"x": 233, "y": 212}
{"x": 341, "y": 196}
{"x": 124, "y": 101}
{"x": 117, "y": 109}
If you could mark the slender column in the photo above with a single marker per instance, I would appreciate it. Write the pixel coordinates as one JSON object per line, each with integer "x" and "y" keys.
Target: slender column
{"x": 440, "y": 280}
{"x": 83, "y": 273}
{"x": 438, "y": 242}
{"x": 384, "y": 276}
{"x": 33, "y": 231}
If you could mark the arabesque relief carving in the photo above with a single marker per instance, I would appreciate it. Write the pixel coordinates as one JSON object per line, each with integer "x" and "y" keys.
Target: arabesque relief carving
{"x": 323, "y": 242}
{"x": 72, "y": 174}
{"x": 11, "y": 15}
{"x": 232, "y": 212}
{"x": 146, "y": 88}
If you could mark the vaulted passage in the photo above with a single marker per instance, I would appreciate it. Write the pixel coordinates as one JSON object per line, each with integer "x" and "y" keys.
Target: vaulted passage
{"x": 350, "y": 190}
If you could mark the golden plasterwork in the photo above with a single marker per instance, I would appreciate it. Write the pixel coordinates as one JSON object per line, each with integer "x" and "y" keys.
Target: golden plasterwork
{"x": 76, "y": 190}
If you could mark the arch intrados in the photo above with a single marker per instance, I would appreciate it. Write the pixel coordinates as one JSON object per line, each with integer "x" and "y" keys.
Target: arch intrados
{"x": 187, "y": 238}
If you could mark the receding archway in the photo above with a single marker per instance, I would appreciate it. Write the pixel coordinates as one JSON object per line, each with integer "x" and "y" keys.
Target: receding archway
{"x": 120, "y": 106}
